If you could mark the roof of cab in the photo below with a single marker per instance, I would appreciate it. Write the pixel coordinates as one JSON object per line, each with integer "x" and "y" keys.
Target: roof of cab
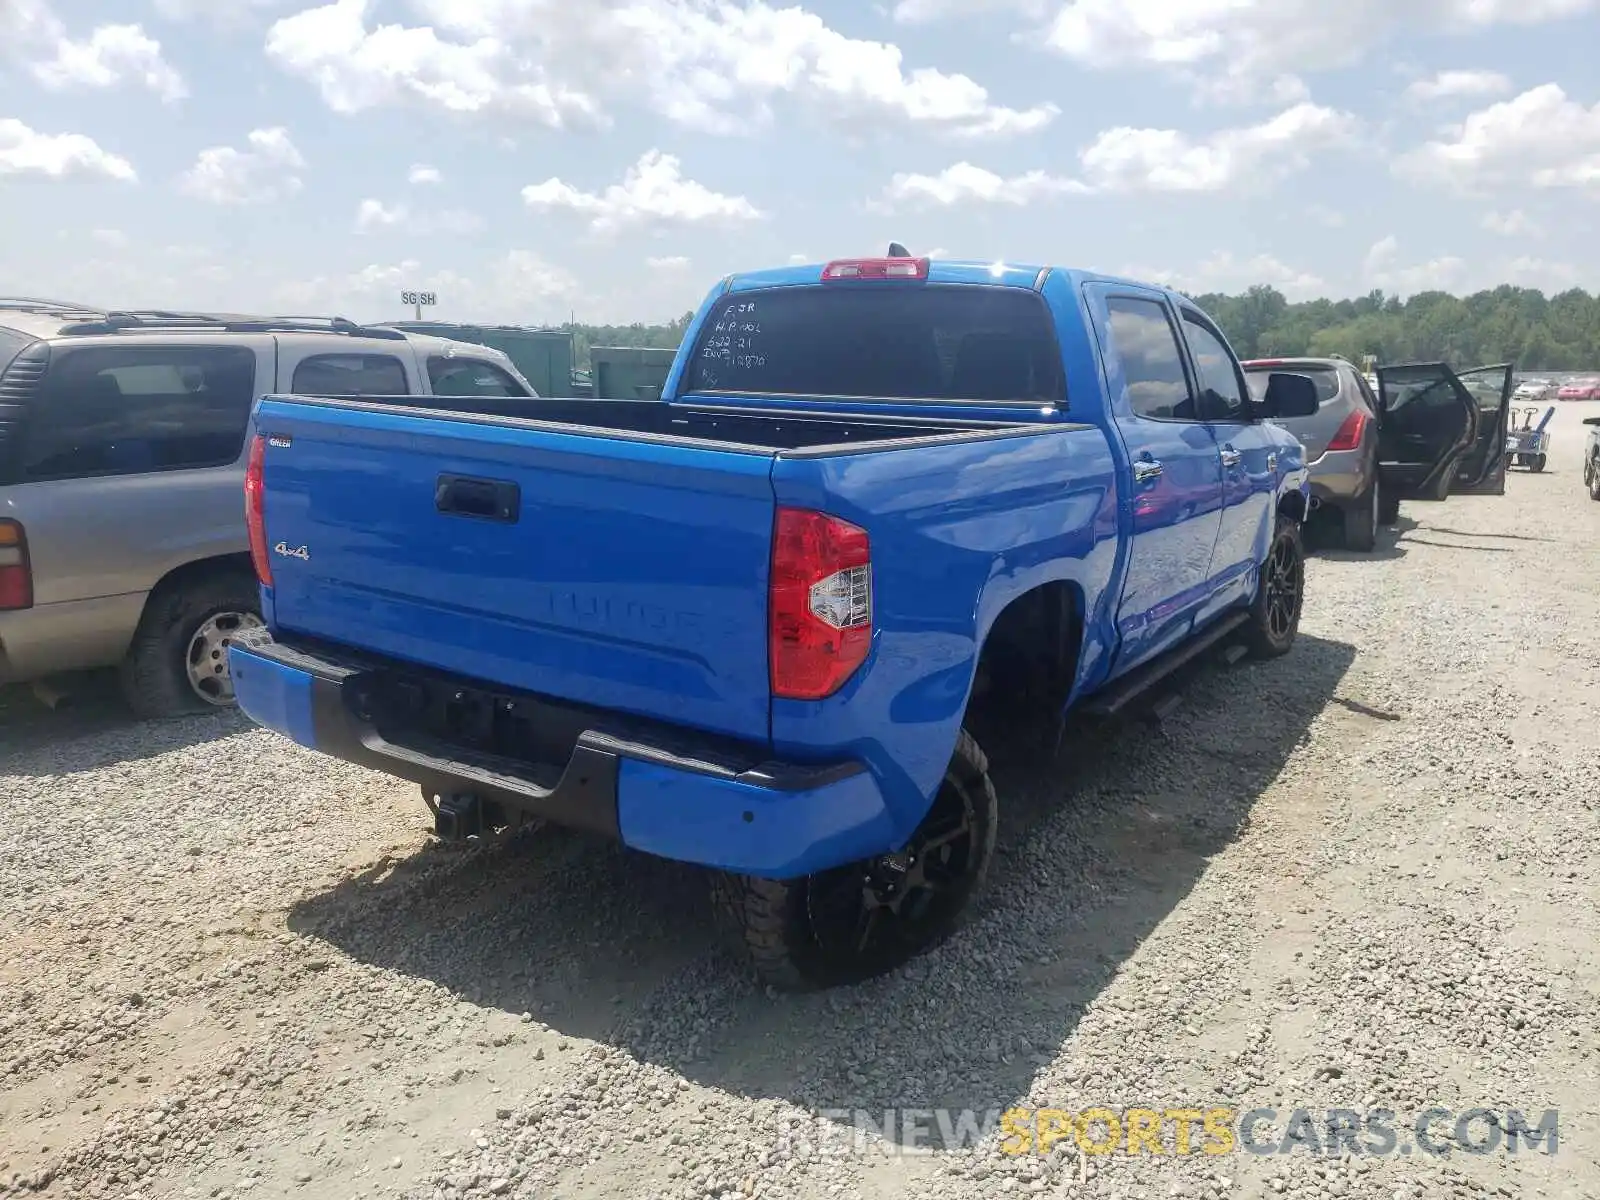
{"x": 940, "y": 270}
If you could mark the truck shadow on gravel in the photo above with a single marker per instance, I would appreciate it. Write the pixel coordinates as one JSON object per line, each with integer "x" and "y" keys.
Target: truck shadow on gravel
{"x": 93, "y": 728}
{"x": 1099, "y": 842}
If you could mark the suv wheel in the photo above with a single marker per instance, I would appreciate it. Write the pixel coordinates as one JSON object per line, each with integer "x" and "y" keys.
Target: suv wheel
{"x": 1361, "y": 521}
{"x": 178, "y": 661}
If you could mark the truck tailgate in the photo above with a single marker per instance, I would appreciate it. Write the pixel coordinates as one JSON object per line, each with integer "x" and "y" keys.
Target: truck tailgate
{"x": 626, "y": 574}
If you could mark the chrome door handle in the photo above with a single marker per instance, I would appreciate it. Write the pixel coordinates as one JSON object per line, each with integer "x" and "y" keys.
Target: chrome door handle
{"x": 1231, "y": 457}
{"x": 1145, "y": 469}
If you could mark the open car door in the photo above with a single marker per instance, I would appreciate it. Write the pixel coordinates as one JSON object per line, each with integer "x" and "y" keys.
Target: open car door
{"x": 1484, "y": 467}
{"x": 1427, "y": 424}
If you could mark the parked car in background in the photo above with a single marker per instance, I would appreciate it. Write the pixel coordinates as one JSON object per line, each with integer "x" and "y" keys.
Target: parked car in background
{"x": 1591, "y": 458}
{"x": 1531, "y": 391}
{"x": 122, "y": 531}
{"x": 1340, "y": 440}
{"x": 1580, "y": 389}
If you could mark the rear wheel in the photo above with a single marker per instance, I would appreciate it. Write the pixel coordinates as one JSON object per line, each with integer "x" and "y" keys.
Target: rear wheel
{"x": 1280, "y": 593}
{"x": 1594, "y": 479}
{"x": 858, "y": 921}
{"x": 1361, "y": 520}
{"x": 1388, "y": 506}
{"x": 1537, "y": 462}
{"x": 178, "y": 661}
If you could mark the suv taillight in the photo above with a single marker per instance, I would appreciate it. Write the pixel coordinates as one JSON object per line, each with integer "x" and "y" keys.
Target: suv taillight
{"x": 254, "y": 517}
{"x": 16, "y": 575}
{"x": 819, "y": 603}
{"x": 1348, "y": 435}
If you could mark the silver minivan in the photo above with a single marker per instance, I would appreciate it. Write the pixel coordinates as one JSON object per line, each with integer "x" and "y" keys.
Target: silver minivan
{"x": 122, "y": 444}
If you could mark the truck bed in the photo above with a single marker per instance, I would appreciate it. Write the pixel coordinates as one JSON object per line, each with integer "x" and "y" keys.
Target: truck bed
{"x": 757, "y": 430}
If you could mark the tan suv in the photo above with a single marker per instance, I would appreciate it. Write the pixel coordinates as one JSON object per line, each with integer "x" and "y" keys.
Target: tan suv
{"x": 122, "y": 435}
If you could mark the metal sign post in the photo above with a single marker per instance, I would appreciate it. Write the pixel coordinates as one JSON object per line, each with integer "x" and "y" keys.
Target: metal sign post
{"x": 419, "y": 300}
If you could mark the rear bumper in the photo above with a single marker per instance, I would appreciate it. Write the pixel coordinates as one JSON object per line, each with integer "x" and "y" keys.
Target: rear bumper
{"x": 673, "y": 796}
{"x": 1340, "y": 476}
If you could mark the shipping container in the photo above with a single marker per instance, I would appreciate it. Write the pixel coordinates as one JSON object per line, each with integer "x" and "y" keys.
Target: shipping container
{"x": 629, "y": 372}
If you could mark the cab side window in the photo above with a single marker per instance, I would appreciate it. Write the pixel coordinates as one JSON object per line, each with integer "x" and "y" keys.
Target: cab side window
{"x": 470, "y": 377}
{"x": 1144, "y": 341}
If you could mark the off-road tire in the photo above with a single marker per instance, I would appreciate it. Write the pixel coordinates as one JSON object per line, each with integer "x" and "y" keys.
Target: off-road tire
{"x": 154, "y": 679}
{"x": 1260, "y": 636}
{"x": 1594, "y": 480}
{"x": 1361, "y": 520}
{"x": 769, "y": 920}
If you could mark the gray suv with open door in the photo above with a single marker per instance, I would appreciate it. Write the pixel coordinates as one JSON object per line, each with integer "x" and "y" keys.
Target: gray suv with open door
{"x": 1340, "y": 440}
{"x": 122, "y": 445}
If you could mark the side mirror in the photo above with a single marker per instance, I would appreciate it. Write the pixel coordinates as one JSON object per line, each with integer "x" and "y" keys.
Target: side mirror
{"x": 1289, "y": 395}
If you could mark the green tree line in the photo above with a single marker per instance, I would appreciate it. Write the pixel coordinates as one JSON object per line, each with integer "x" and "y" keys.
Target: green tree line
{"x": 1503, "y": 324}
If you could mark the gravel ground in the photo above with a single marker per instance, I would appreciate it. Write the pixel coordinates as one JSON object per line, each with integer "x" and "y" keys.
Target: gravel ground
{"x": 1359, "y": 877}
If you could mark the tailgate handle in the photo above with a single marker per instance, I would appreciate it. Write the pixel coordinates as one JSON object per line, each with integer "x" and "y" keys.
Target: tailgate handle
{"x": 487, "y": 499}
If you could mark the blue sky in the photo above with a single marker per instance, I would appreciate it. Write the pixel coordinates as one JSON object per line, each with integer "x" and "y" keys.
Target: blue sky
{"x": 527, "y": 159}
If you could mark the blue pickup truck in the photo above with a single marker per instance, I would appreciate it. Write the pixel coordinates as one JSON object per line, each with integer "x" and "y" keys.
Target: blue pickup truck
{"x": 753, "y": 624}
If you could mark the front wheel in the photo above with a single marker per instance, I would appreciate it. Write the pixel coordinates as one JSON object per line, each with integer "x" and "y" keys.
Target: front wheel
{"x": 1537, "y": 462}
{"x": 855, "y": 922}
{"x": 1280, "y": 594}
{"x": 1594, "y": 480}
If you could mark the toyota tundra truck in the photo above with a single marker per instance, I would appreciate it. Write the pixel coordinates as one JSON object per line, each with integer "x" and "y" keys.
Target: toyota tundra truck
{"x": 755, "y": 623}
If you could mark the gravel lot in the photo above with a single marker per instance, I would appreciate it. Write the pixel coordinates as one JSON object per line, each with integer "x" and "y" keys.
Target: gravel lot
{"x": 1362, "y": 876}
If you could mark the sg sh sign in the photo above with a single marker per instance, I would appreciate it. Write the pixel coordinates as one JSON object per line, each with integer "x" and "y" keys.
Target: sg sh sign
{"x": 419, "y": 299}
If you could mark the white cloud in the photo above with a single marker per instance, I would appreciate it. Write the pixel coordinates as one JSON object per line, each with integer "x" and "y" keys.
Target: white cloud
{"x": 110, "y": 237}
{"x": 1540, "y": 273}
{"x": 264, "y": 172}
{"x": 111, "y": 55}
{"x": 32, "y": 35}
{"x": 1515, "y": 223}
{"x": 421, "y": 174}
{"x": 653, "y": 191}
{"x": 1382, "y": 268}
{"x": 373, "y": 216}
{"x": 518, "y": 286}
{"x": 669, "y": 262}
{"x": 1449, "y": 84}
{"x": 965, "y": 184}
{"x": 232, "y": 15}
{"x": 913, "y": 12}
{"x": 1226, "y": 273}
{"x": 1539, "y": 139}
{"x": 1168, "y": 160}
{"x": 1237, "y": 44}
{"x": 711, "y": 66}
{"x": 24, "y": 151}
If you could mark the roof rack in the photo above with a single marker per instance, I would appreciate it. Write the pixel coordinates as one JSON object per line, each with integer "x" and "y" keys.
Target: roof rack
{"x": 156, "y": 320}
{"x": 35, "y": 304}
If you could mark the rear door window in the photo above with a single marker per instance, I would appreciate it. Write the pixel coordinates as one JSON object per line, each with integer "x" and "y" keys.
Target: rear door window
{"x": 135, "y": 409}
{"x": 350, "y": 375}
{"x": 1326, "y": 379}
{"x": 927, "y": 342}
{"x": 455, "y": 376}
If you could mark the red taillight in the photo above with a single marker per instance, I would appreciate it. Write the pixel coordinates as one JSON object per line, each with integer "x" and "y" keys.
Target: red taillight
{"x": 876, "y": 268}
{"x": 253, "y": 515}
{"x": 1348, "y": 436}
{"x": 819, "y": 603}
{"x": 16, "y": 574}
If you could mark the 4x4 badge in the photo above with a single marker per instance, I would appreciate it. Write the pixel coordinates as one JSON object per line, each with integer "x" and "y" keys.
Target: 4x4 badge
{"x": 300, "y": 552}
